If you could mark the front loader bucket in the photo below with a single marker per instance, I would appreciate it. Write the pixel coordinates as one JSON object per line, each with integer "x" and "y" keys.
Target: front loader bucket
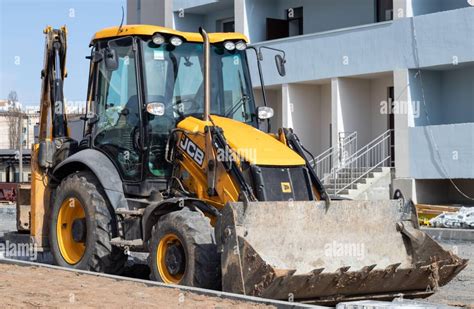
{"x": 349, "y": 250}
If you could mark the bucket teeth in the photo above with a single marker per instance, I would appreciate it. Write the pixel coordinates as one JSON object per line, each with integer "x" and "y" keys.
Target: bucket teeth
{"x": 343, "y": 270}
{"x": 286, "y": 277}
{"x": 314, "y": 277}
{"x": 368, "y": 269}
{"x": 316, "y": 272}
{"x": 391, "y": 269}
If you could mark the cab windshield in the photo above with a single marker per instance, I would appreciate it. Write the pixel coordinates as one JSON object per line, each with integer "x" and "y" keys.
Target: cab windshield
{"x": 174, "y": 77}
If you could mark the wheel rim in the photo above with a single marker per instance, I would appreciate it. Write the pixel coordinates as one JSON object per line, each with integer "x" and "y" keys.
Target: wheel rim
{"x": 70, "y": 230}
{"x": 170, "y": 259}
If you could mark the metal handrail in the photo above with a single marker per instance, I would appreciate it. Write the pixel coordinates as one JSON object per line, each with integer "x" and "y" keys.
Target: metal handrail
{"x": 324, "y": 163}
{"x": 372, "y": 142}
{"x": 375, "y": 154}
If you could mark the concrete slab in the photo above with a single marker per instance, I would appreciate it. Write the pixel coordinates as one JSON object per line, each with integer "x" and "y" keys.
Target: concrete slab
{"x": 395, "y": 304}
{"x": 444, "y": 234}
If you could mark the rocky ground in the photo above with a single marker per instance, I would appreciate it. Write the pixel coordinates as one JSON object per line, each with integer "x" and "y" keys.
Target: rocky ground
{"x": 460, "y": 291}
{"x": 36, "y": 287}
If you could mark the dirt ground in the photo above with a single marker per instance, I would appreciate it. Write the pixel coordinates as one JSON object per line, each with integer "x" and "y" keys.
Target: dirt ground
{"x": 38, "y": 287}
{"x": 33, "y": 287}
{"x": 460, "y": 291}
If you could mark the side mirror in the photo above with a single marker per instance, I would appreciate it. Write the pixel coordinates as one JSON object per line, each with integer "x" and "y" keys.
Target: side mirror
{"x": 280, "y": 64}
{"x": 96, "y": 56}
{"x": 155, "y": 108}
{"x": 264, "y": 112}
{"x": 111, "y": 60}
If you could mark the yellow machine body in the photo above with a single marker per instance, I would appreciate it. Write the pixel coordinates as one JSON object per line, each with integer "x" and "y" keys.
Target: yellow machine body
{"x": 271, "y": 242}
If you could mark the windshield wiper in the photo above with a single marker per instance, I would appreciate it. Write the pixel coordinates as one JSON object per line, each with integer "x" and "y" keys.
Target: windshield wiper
{"x": 237, "y": 105}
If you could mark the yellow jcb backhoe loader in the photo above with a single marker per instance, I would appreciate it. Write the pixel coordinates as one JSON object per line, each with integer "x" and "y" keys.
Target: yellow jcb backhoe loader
{"x": 175, "y": 161}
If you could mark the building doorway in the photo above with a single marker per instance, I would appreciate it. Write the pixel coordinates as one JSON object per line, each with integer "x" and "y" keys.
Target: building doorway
{"x": 391, "y": 124}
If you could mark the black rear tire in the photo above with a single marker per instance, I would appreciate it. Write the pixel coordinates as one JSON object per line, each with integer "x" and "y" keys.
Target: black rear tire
{"x": 100, "y": 225}
{"x": 196, "y": 236}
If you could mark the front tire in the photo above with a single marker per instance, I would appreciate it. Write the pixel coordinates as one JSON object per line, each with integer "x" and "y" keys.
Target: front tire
{"x": 183, "y": 251}
{"x": 82, "y": 225}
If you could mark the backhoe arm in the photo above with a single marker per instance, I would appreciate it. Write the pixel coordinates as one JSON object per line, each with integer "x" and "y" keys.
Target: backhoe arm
{"x": 53, "y": 130}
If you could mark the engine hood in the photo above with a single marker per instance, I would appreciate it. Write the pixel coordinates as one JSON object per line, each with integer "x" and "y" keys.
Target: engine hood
{"x": 253, "y": 145}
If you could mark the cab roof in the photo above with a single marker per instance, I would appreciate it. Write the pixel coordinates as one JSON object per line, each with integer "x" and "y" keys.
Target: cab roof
{"x": 149, "y": 30}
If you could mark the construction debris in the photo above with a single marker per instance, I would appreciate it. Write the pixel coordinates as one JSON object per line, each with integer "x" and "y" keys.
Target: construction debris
{"x": 463, "y": 218}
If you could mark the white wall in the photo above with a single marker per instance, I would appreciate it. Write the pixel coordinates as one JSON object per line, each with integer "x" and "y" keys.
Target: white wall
{"x": 355, "y": 108}
{"x": 311, "y": 115}
{"x": 274, "y": 101}
{"x": 358, "y": 107}
{"x": 325, "y": 117}
{"x": 305, "y": 100}
{"x": 379, "y": 93}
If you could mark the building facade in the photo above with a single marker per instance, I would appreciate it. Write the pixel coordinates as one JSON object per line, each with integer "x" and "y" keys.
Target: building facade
{"x": 395, "y": 74}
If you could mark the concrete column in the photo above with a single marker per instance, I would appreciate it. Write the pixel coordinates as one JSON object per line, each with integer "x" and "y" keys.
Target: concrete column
{"x": 402, "y": 9}
{"x": 287, "y": 117}
{"x": 402, "y": 123}
{"x": 132, "y": 16}
{"x": 169, "y": 15}
{"x": 336, "y": 113}
{"x": 157, "y": 12}
{"x": 240, "y": 17}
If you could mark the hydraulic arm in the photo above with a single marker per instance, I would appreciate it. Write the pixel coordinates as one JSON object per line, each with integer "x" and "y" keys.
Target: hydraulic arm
{"x": 53, "y": 129}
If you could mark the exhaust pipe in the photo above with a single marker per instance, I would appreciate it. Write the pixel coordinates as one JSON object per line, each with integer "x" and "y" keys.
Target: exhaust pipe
{"x": 207, "y": 86}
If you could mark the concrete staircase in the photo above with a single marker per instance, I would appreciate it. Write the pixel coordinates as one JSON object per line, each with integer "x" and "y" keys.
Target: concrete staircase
{"x": 361, "y": 174}
{"x": 372, "y": 185}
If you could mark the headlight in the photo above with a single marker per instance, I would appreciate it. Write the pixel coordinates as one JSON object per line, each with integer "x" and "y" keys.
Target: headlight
{"x": 241, "y": 45}
{"x": 155, "y": 108}
{"x": 158, "y": 39}
{"x": 175, "y": 41}
{"x": 264, "y": 112}
{"x": 229, "y": 45}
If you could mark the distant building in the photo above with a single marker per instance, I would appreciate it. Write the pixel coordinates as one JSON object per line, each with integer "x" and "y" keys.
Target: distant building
{"x": 7, "y": 120}
{"x": 6, "y": 105}
{"x": 9, "y": 165}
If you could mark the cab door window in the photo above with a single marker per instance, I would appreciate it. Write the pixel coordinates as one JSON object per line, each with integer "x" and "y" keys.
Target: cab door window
{"x": 117, "y": 130}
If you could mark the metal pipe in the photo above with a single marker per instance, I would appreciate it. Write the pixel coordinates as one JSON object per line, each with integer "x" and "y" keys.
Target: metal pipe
{"x": 207, "y": 85}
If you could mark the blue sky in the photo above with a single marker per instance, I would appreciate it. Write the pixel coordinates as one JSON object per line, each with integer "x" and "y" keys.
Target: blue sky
{"x": 22, "y": 42}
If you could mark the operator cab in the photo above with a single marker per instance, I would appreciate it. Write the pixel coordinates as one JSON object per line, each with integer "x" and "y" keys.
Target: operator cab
{"x": 146, "y": 79}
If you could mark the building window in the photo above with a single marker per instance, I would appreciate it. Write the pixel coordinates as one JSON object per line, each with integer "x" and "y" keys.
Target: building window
{"x": 283, "y": 28}
{"x": 227, "y": 25}
{"x": 384, "y": 10}
{"x": 295, "y": 21}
